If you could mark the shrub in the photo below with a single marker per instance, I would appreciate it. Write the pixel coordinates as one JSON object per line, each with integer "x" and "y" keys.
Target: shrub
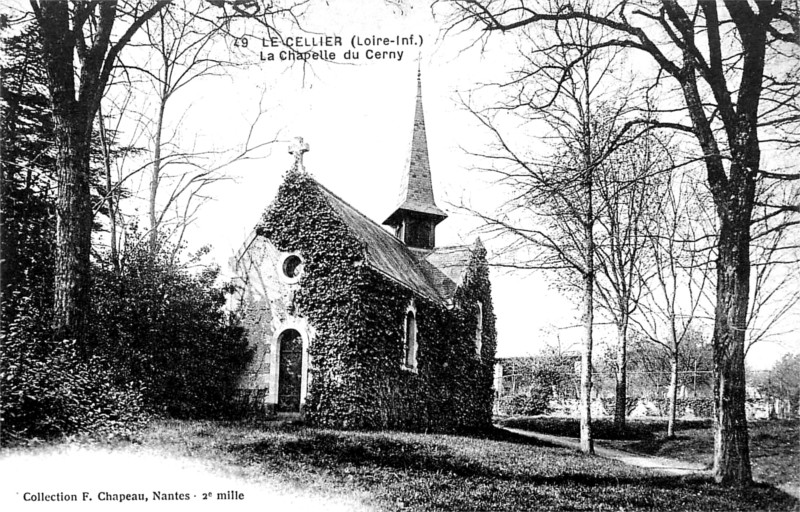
{"x": 50, "y": 390}
{"x": 165, "y": 328}
{"x": 546, "y": 378}
{"x": 537, "y": 401}
{"x": 609, "y": 403}
{"x": 703, "y": 407}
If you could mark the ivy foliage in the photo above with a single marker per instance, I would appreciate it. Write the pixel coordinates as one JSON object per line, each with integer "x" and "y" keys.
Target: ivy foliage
{"x": 357, "y": 379}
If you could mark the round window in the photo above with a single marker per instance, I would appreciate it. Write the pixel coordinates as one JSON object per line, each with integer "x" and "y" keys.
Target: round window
{"x": 292, "y": 266}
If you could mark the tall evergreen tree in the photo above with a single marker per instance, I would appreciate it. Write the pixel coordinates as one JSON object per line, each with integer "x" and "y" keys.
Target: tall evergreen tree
{"x": 28, "y": 222}
{"x": 29, "y": 181}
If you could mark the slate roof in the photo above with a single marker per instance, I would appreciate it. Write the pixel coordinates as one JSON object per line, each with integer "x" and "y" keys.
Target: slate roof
{"x": 449, "y": 264}
{"x": 434, "y": 274}
{"x": 416, "y": 191}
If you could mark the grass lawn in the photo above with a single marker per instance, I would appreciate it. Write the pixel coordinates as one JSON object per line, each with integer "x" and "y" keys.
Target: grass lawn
{"x": 403, "y": 471}
{"x": 774, "y": 444}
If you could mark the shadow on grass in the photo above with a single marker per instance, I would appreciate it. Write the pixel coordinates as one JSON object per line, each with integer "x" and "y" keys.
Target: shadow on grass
{"x": 378, "y": 461}
{"x": 335, "y": 450}
{"x": 499, "y": 434}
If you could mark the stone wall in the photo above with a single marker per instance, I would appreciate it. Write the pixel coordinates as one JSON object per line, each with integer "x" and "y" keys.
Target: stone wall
{"x": 265, "y": 303}
{"x": 756, "y": 409}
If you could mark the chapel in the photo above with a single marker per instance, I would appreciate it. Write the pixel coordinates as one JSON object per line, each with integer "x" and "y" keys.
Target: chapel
{"x": 355, "y": 324}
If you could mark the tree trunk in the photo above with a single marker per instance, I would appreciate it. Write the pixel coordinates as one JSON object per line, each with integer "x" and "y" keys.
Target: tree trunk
{"x": 73, "y": 225}
{"x": 731, "y": 442}
{"x": 673, "y": 393}
{"x": 72, "y": 127}
{"x": 63, "y": 39}
{"x": 110, "y": 199}
{"x": 155, "y": 179}
{"x": 587, "y": 442}
{"x": 621, "y": 391}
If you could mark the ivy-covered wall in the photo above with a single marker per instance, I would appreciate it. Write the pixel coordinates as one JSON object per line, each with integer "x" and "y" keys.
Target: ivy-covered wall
{"x": 357, "y": 379}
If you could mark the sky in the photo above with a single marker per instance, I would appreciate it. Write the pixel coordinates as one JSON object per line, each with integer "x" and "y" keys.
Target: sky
{"x": 357, "y": 119}
{"x": 357, "y": 116}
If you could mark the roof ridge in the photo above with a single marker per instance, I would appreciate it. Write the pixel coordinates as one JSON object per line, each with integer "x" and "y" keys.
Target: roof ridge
{"x": 359, "y": 212}
{"x": 379, "y": 226}
{"x": 429, "y": 289}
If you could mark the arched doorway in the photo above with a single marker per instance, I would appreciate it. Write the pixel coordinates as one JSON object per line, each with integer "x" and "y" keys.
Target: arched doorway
{"x": 290, "y": 370}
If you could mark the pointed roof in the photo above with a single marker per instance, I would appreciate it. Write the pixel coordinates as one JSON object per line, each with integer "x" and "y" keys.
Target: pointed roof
{"x": 416, "y": 192}
{"x": 383, "y": 252}
{"x": 435, "y": 274}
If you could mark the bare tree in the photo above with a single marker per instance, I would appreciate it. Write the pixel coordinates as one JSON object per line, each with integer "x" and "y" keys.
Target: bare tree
{"x": 651, "y": 363}
{"x": 113, "y": 205}
{"x": 775, "y": 279}
{"x": 682, "y": 286}
{"x": 550, "y": 222}
{"x": 82, "y": 41}
{"x": 733, "y": 67}
{"x": 181, "y": 47}
{"x": 110, "y": 118}
{"x": 676, "y": 280}
{"x": 79, "y": 60}
{"x": 629, "y": 194}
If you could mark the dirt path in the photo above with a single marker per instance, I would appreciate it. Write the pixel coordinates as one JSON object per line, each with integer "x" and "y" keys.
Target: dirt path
{"x": 659, "y": 464}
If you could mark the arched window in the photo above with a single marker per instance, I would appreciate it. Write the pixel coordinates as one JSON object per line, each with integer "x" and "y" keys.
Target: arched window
{"x": 479, "y": 330}
{"x": 410, "y": 360}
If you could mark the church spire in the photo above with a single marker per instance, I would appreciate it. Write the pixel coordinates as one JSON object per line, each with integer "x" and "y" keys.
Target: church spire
{"x": 416, "y": 217}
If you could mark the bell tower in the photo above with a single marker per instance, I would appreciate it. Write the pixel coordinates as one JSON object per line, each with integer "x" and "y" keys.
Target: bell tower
{"x": 415, "y": 219}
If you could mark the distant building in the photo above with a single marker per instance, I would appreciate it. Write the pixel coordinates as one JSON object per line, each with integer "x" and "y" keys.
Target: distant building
{"x": 356, "y": 327}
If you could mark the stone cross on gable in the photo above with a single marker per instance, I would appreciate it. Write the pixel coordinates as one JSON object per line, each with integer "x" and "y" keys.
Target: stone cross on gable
{"x": 298, "y": 148}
